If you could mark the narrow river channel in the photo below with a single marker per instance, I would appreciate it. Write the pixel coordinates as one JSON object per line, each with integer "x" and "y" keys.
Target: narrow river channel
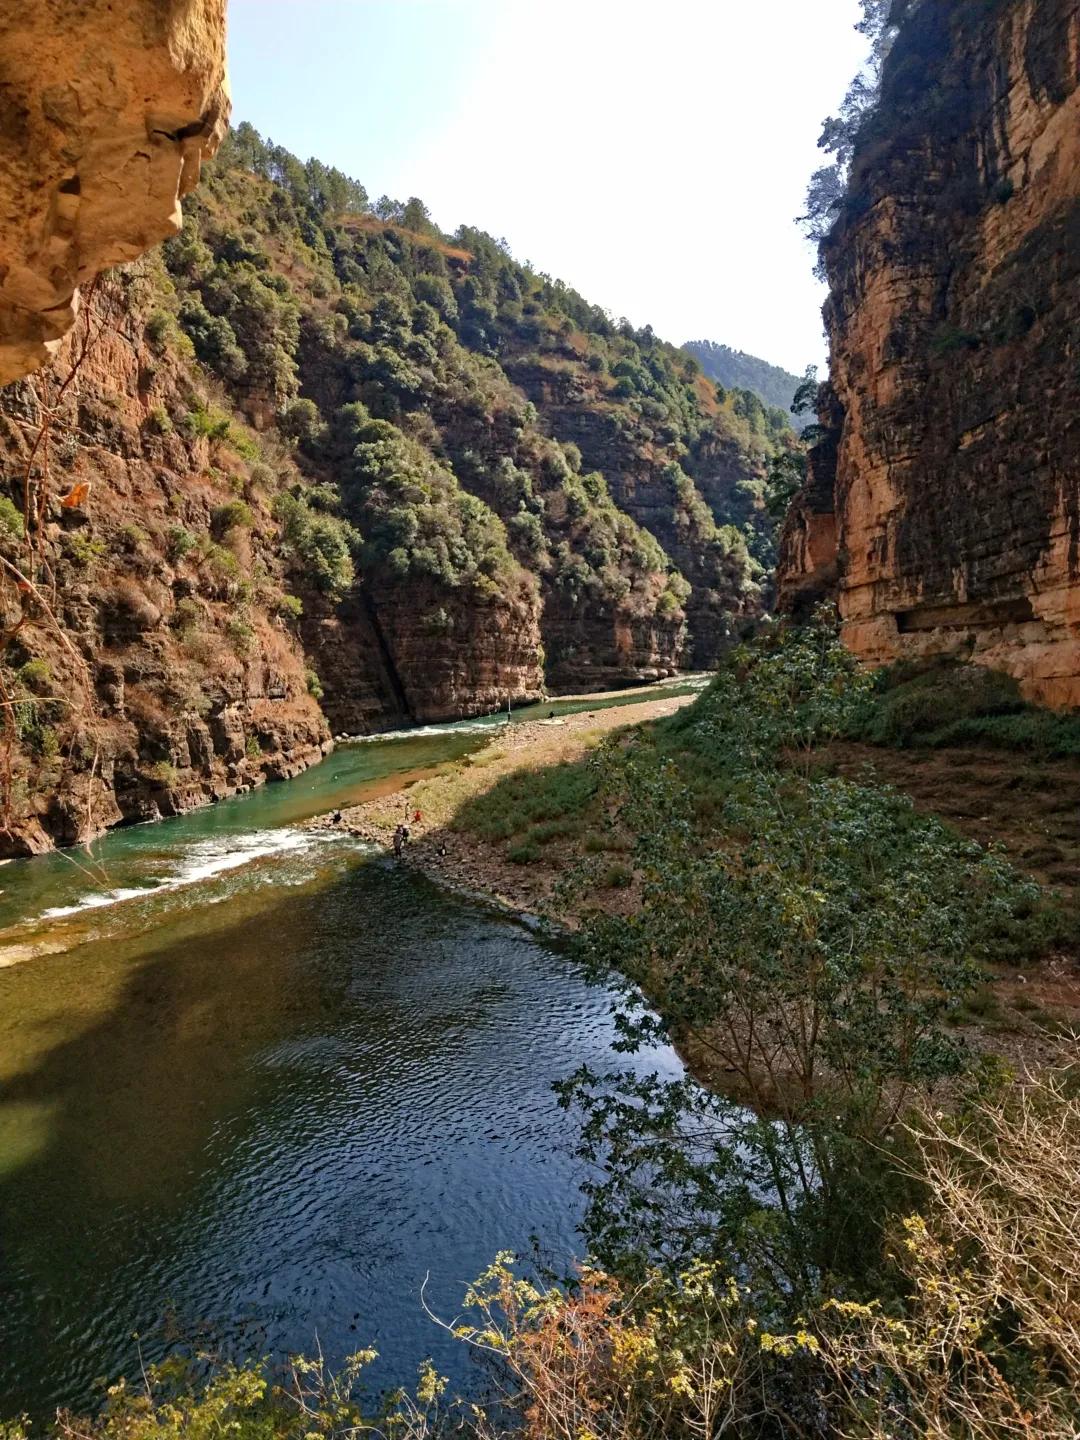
{"x": 256, "y": 1083}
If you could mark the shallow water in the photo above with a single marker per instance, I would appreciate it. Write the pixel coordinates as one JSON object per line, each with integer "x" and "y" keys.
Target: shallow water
{"x": 256, "y": 1083}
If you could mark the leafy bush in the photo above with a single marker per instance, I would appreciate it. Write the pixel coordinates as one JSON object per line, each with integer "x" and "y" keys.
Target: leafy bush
{"x": 180, "y": 542}
{"x": 188, "y": 615}
{"x": 12, "y": 526}
{"x": 207, "y": 421}
{"x": 240, "y": 632}
{"x": 213, "y": 338}
{"x": 36, "y": 676}
{"x": 83, "y": 550}
{"x": 233, "y": 515}
{"x": 321, "y": 545}
{"x": 952, "y": 704}
{"x": 159, "y": 327}
{"x": 290, "y": 607}
{"x": 416, "y": 518}
{"x": 159, "y": 422}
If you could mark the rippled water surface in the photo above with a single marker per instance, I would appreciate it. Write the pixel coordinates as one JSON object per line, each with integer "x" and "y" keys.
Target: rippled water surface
{"x": 258, "y": 1082}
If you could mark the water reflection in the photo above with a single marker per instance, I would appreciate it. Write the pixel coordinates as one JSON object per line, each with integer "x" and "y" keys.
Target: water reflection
{"x": 276, "y": 1119}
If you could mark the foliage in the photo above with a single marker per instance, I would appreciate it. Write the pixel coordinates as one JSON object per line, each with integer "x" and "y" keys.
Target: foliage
{"x": 735, "y": 370}
{"x": 233, "y": 515}
{"x": 946, "y": 703}
{"x": 840, "y": 133}
{"x": 290, "y": 607}
{"x": 417, "y": 520}
{"x": 806, "y": 940}
{"x": 981, "y": 1340}
{"x": 321, "y": 546}
{"x": 988, "y": 1342}
{"x": 434, "y": 338}
{"x": 204, "y": 1399}
{"x": 180, "y": 542}
{"x": 11, "y": 520}
{"x": 159, "y": 422}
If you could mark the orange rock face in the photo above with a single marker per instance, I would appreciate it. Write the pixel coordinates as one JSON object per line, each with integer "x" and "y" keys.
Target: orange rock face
{"x": 943, "y": 510}
{"x": 106, "y": 114}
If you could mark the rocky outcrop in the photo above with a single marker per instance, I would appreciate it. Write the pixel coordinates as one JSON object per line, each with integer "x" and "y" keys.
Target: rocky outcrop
{"x": 408, "y": 654}
{"x": 452, "y": 660}
{"x": 597, "y": 647}
{"x": 106, "y": 113}
{"x": 944, "y": 509}
{"x": 151, "y": 664}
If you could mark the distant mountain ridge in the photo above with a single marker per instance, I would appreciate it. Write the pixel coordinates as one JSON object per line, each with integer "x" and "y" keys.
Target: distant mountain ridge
{"x": 736, "y": 370}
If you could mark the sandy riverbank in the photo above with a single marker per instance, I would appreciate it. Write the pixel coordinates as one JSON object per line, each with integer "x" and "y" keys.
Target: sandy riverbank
{"x": 468, "y": 862}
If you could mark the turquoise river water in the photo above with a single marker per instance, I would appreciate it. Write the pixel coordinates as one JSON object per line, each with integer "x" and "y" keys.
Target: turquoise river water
{"x": 257, "y": 1082}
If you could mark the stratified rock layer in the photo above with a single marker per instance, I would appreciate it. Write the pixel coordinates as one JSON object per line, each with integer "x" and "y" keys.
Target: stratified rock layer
{"x": 106, "y": 114}
{"x": 943, "y": 511}
{"x": 152, "y": 667}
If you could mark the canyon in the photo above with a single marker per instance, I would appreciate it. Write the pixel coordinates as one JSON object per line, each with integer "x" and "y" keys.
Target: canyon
{"x": 305, "y": 471}
{"x": 941, "y": 507}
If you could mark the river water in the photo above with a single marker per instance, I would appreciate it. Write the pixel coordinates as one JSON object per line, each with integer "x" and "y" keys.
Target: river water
{"x": 256, "y": 1083}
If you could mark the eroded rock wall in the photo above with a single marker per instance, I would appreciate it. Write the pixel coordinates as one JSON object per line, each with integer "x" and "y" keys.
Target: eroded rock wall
{"x": 106, "y": 114}
{"x": 152, "y": 667}
{"x": 943, "y": 511}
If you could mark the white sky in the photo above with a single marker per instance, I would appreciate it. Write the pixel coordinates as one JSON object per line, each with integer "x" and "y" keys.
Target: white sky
{"x": 653, "y": 155}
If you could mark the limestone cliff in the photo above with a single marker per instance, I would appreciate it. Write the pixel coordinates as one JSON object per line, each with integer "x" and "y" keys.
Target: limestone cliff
{"x": 106, "y": 113}
{"x": 943, "y": 508}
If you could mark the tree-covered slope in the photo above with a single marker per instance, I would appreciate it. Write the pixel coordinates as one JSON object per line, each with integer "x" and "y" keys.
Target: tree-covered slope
{"x": 315, "y": 466}
{"x": 492, "y": 435}
{"x": 736, "y": 370}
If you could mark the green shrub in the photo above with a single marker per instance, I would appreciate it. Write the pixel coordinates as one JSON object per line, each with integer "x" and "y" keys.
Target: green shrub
{"x": 233, "y": 515}
{"x": 82, "y": 549}
{"x": 36, "y": 676}
{"x": 314, "y": 685}
{"x": 12, "y": 526}
{"x": 158, "y": 421}
{"x": 179, "y": 542}
{"x": 953, "y": 704}
{"x": 289, "y": 607}
{"x": 188, "y": 615}
{"x": 240, "y": 631}
{"x": 131, "y": 539}
{"x": 43, "y": 741}
{"x": 811, "y": 938}
{"x": 321, "y": 545}
{"x": 159, "y": 327}
{"x": 206, "y": 421}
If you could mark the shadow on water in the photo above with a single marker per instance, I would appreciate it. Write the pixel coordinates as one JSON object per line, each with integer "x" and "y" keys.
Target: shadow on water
{"x": 276, "y": 1125}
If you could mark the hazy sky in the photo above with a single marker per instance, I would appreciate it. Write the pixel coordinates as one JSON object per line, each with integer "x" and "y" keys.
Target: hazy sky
{"x": 651, "y": 154}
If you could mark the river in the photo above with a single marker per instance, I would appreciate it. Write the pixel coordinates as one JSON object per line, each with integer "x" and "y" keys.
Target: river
{"x": 257, "y": 1082}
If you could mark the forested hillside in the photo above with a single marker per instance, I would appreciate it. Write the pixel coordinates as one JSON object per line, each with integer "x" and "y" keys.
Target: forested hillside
{"x": 316, "y": 455}
{"x": 735, "y": 370}
{"x": 479, "y": 423}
